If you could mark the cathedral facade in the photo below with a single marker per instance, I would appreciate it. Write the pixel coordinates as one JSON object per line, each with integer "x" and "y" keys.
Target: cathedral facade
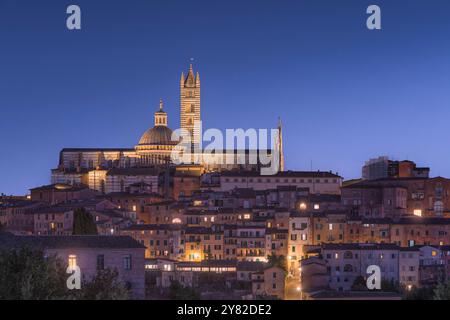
{"x": 97, "y": 167}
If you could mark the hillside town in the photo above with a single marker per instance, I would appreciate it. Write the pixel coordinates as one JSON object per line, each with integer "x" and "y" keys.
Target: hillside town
{"x": 237, "y": 234}
{"x": 224, "y": 230}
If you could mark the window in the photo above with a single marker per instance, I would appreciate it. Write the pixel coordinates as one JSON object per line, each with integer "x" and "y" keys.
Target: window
{"x": 100, "y": 262}
{"x": 348, "y": 255}
{"x": 127, "y": 262}
{"x": 438, "y": 208}
{"x": 72, "y": 261}
{"x": 348, "y": 268}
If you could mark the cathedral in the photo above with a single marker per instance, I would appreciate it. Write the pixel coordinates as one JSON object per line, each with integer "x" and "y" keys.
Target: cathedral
{"x": 109, "y": 169}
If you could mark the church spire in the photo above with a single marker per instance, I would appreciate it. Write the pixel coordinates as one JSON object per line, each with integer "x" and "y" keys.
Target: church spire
{"x": 190, "y": 78}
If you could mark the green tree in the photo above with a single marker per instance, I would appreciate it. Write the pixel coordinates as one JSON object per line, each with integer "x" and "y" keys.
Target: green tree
{"x": 178, "y": 292}
{"x": 83, "y": 223}
{"x": 359, "y": 284}
{"x": 442, "y": 291}
{"x": 277, "y": 261}
{"x": 26, "y": 274}
{"x": 389, "y": 286}
{"x": 104, "y": 286}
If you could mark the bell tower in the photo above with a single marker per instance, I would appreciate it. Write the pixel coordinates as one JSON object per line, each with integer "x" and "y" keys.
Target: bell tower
{"x": 190, "y": 105}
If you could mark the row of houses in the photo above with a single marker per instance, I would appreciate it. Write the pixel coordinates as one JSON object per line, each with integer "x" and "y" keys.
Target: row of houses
{"x": 339, "y": 266}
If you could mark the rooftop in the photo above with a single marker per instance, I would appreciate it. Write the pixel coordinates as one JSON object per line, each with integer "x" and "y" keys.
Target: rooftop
{"x": 8, "y": 240}
{"x": 282, "y": 174}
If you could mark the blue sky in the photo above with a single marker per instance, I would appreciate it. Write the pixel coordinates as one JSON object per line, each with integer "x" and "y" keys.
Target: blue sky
{"x": 344, "y": 93}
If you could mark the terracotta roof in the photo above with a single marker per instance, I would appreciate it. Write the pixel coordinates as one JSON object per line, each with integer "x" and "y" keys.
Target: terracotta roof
{"x": 8, "y": 240}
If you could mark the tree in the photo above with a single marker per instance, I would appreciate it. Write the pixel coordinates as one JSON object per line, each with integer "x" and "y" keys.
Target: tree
{"x": 359, "y": 284}
{"x": 83, "y": 223}
{"x": 423, "y": 293}
{"x": 277, "y": 261}
{"x": 104, "y": 286}
{"x": 389, "y": 286}
{"x": 26, "y": 274}
{"x": 178, "y": 292}
{"x": 442, "y": 291}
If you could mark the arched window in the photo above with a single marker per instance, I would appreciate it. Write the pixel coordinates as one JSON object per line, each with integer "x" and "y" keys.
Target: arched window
{"x": 348, "y": 268}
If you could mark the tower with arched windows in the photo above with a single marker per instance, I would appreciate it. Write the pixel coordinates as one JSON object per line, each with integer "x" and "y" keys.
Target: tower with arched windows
{"x": 190, "y": 105}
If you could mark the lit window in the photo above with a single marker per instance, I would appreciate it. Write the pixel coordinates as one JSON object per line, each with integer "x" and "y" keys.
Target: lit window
{"x": 176, "y": 220}
{"x": 134, "y": 208}
{"x": 434, "y": 253}
{"x": 330, "y": 226}
{"x": 336, "y": 255}
{"x": 302, "y": 206}
{"x": 167, "y": 267}
{"x": 316, "y": 207}
{"x": 246, "y": 216}
{"x": 418, "y": 212}
{"x": 72, "y": 261}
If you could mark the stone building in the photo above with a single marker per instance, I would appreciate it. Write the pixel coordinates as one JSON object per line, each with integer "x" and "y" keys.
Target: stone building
{"x": 346, "y": 262}
{"x": 92, "y": 166}
{"x": 91, "y": 254}
{"x": 316, "y": 181}
{"x": 58, "y": 193}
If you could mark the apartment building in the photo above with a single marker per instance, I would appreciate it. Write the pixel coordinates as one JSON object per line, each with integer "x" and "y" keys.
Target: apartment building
{"x": 163, "y": 241}
{"x": 346, "y": 262}
{"x": 316, "y": 181}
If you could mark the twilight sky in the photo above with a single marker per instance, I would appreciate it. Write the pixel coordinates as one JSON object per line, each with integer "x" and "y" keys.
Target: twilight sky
{"x": 344, "y": 93}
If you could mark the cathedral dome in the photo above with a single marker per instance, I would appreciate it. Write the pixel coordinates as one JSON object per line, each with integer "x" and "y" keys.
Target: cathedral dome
{"x": 158, "y": 135}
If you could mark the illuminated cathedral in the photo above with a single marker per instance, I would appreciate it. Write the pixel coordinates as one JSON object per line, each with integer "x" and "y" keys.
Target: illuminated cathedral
{"x": 93, "y": 166}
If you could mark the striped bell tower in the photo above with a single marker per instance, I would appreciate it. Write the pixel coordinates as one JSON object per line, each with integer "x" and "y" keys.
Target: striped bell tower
{"x": 190, "y": 104}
